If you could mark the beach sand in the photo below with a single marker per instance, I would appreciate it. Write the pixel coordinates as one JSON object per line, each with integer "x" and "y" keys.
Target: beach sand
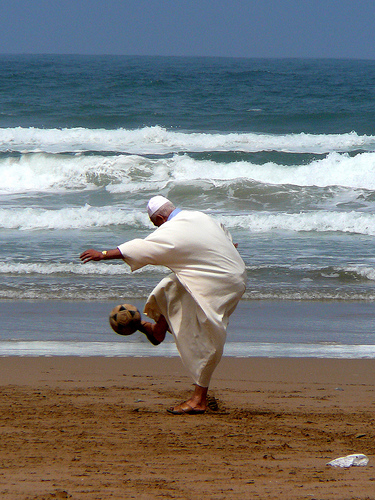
{"x": 97, "y": 428}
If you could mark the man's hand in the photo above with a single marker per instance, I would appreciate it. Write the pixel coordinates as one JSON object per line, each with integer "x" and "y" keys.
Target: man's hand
{"x": 91, "y": 254}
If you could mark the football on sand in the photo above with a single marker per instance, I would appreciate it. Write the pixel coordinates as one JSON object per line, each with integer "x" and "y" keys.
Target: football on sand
{"x": 125, "y": 319}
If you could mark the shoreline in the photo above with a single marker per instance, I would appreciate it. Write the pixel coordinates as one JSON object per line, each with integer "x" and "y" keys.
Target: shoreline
{"x": 93, "y": 428}
{"x": 238, "y": 350}
{"x": 268, "y": 329}
{"x": 256, "y": 328}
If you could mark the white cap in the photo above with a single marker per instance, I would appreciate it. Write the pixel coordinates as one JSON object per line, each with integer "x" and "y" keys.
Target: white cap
{"x": 155, "y": 203}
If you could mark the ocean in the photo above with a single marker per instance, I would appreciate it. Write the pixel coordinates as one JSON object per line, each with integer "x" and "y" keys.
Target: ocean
{"x": 280, "y": 151}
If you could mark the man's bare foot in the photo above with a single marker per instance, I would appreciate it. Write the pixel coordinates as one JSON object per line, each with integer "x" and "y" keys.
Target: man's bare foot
{"x": 155, "y": 332}
{"x": 185, "y": 409}
{"x": 195, "y": 405}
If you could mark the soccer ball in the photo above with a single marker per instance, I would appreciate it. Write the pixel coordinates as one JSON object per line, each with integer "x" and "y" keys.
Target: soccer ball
{"x": 125, "y": 319}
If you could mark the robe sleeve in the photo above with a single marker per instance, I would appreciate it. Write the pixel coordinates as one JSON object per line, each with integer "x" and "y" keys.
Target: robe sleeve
{"x": 139, "y": 253}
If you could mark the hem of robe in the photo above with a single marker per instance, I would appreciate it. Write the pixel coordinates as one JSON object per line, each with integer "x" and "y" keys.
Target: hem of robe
{"x": 199, "y": 341}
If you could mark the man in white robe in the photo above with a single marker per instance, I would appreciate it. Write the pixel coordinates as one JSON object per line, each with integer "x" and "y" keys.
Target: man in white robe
{"x": 195, "y": 301}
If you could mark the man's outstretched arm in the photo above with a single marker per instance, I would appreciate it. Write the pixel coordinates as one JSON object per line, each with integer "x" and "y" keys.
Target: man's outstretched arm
{"x": 92, "y": 254}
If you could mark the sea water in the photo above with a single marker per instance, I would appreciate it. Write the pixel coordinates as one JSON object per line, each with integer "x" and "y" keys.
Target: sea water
{"x": 280, "y": 151}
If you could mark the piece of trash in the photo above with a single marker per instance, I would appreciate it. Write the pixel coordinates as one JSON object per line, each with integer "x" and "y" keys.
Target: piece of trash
{"x": 357, "y": 459}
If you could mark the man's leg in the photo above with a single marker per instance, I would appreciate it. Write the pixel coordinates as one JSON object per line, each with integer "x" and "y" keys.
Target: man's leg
{"x": 155, "y": 332}
{"x": 199, "y": 398}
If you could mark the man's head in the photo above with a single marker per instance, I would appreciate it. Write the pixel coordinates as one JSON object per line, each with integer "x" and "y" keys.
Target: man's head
{"x": 159, "y": 209}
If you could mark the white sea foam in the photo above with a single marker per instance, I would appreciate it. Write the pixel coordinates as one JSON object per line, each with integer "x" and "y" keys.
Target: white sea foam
{"x": 310, "y": 295}
{"x": 128, "y": 174}
{"x": 70, "y": 218}
{"x": 119, "y": 269}
{"x": 55, "y": 268}
{"x": 58, "y": 268}
{"x": 168, "y": 349}
{"x": 55, "y": 173}
{"x": 87, "y": 216}
{"x": 159, "y": 140}
{"x": 92, "y": 294}
{"x": 322, "y": 221}
{"x": 335, "y": 169}
{"x": 363, "y": 271}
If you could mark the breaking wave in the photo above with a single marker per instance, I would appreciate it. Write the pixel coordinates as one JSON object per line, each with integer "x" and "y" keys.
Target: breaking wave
{"x": 159, "y": 140}
{"x": 29, "y": 219}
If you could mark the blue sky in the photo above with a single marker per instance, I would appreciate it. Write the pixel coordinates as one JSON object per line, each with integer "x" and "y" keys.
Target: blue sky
{"x": 228, "y": 28}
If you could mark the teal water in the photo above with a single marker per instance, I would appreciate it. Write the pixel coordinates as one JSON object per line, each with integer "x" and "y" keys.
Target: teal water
{"x": 281, "y": 151}
{"x": 193, "y": 94}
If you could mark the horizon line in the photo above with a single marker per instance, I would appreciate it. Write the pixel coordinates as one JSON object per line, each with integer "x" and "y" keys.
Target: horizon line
{"x": 185, "y": 56}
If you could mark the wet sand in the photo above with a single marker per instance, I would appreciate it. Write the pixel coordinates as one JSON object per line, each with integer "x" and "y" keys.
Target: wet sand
{"x": 97, "y": 428}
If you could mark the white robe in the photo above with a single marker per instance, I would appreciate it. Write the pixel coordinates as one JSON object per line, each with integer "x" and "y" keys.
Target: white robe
{"x": 197, "y": 299}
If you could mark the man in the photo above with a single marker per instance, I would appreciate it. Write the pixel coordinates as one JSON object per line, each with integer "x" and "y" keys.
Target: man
{"x": 195, "y": 301}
